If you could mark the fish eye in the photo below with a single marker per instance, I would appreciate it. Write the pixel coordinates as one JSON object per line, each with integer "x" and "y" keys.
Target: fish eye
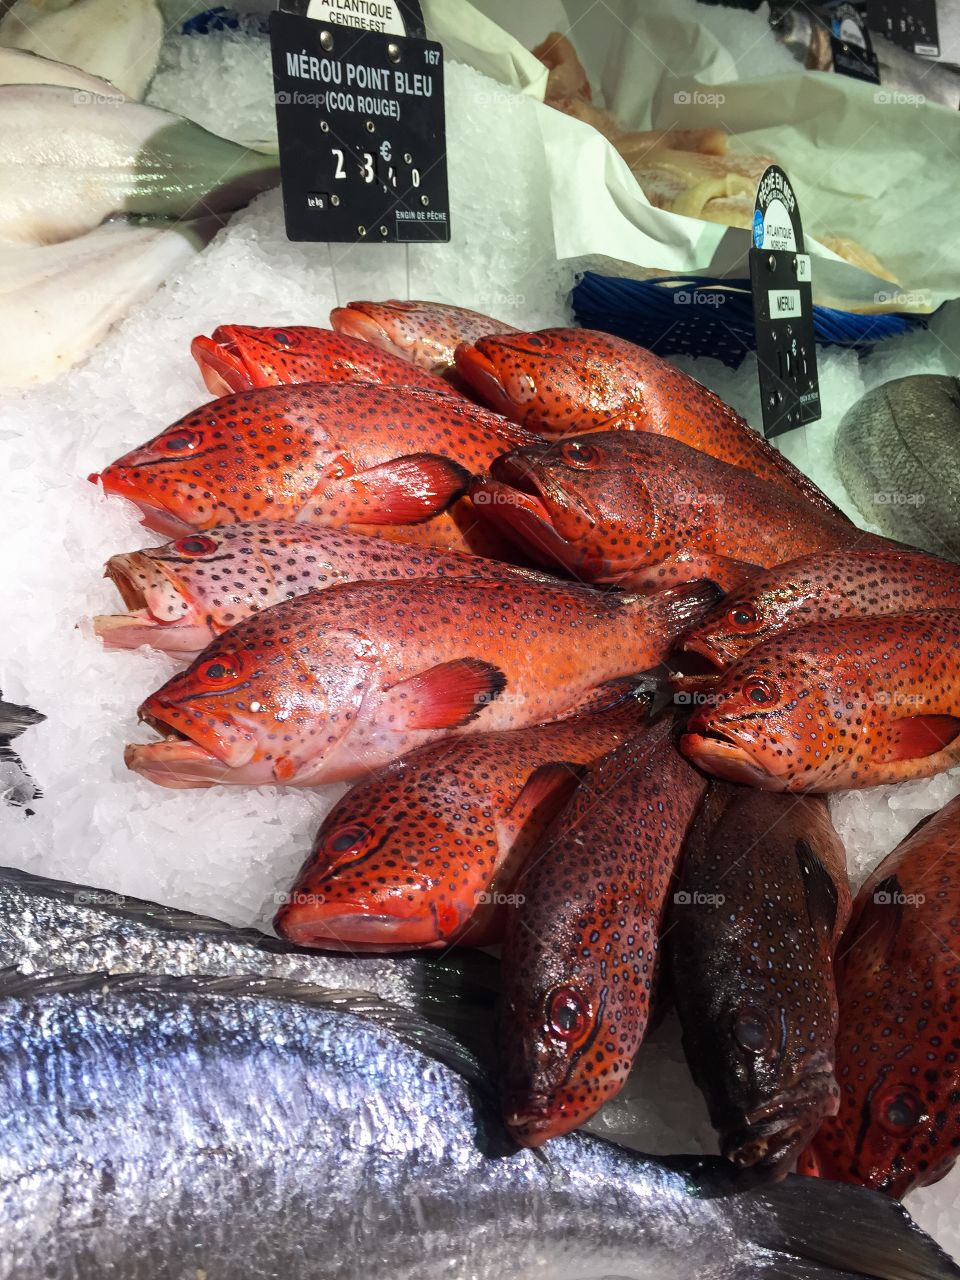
{"x": 347, "y": 837}
{"x": 195, "y": 545}
{"x": 900, "y": 1109}
{"x": 567, "y": 1013}
{"x": 181, "y": 441}
{"x": 760, "y": 692}
{"x": 742, "y": 615}
{"x": 580, "y": 455}
{"x": 752, "y": 1030}
{"x": 284, "y": 339}
{"x": 220, "y": 670}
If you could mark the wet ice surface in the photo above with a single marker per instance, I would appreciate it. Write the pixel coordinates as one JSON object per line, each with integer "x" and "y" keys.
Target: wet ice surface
{"x": 228, "y": 852}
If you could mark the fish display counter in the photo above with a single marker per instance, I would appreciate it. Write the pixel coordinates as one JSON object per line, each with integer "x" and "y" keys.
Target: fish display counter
{"x": 474, "y": 804}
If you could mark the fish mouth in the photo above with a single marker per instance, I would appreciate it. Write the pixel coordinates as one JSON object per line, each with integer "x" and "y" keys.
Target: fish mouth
{"x": 482, "y": 375}
{"x": 533, "y": 1120}
{"x": 524, "y": 521}
{"x": 182, "y": 760}
{"x": 309, "y": 920}
{"x": 117, "y": 483}
{"x": 221, "y": 364}
{"x": 724, "y": 755}
{"x": 159, "y": 613}
{"x": 774, "y": 1134}
{"x": 712, "y": 652}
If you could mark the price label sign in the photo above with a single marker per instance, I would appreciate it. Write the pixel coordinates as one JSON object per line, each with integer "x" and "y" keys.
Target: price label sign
{"x": 360, "y": 119}
{"x": 780, "y": 277}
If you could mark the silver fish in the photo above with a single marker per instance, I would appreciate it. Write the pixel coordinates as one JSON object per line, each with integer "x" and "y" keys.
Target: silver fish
{"x": 898, "y": 454}
{"x": 16, "y": 786}
{"x": 171, "y": 1129}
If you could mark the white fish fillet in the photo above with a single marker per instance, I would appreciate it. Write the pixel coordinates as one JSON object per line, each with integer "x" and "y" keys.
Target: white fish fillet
{"x": 17, "y": 66}
{"x": 118, "y": 40}
{"x": 58, "y": 301}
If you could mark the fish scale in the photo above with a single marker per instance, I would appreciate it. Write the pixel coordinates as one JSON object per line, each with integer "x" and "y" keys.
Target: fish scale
{"x": 581, "y": 952}
{"x": 569, "y": 381}
{"x": 324, "y": 687}
{"x": 851, "y": 703}
{"x": 898, "y": 1050}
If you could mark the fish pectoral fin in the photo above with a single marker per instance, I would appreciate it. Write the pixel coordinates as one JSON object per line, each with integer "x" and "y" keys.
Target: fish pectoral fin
{"x": 543, "y": 794}
{"x": 818, "y": 887}
{"x": 914, "y": 737}
{"x": 406, "y": 490}
{"x": 610, "y": 694}
{"x": 446, "y": 696}
{"x": 877, "y": 926}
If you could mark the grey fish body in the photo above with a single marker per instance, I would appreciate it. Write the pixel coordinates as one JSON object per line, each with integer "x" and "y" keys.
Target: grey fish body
{"x": 898, "y": 454}
{"x": 166, "y": 1131}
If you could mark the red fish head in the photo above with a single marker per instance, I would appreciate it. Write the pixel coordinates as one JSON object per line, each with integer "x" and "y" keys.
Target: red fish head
{"x": 737, "y": 625}
{"x": 403, "y": 329}
{"x": 165, "y": 611}
{"x": 558, "y": 503}
{"x": 238, "y": 357}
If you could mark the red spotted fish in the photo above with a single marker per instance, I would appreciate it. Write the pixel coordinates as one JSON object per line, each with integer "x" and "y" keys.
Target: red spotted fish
{"x": 898, "y": 1126}
{"x": 843, "y": 584}
{"x": 836, "y": 705}
{"x": 331, "y": 455}
{"x": 580, "y": 957}
{"x": 644, "y": 510}
{"x": 330, "y": 685}
{"x": 568, "y": 381}
{"x": 762, "y": 901}
{"x": 182, "y": 595}
{"x": 425, "y": 853}
{"x": 239, "y": 356}
{"x": 425, "y": 333}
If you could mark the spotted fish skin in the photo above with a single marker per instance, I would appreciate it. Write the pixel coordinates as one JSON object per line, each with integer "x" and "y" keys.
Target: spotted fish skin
{"x": 763, "y": 899}
{"x": 836, "y": 705}
{"x": 580, "y": 955}
{"x": 426, "y": 852}
{"x": 644, "y": 510}
{"x": 898, "y": 1125}
{"x": 425, "y": 333}
{"x": 332, "y": 455}
{"x": 329, "y": 685}
{"x": 238, "y": 356}
{"x": 858, "y": 582}
{"x": 569, "y": 381}
{"x": 185, "y": 593}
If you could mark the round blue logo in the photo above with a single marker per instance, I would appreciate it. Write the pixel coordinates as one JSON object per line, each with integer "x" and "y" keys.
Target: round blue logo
{"x": 758, "y": 229}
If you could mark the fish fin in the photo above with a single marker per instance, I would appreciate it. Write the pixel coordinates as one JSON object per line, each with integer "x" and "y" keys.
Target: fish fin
{"x": 406, "y": 490}
{"x": 610, "y": 694}
{"x": 14, "y": 718}
{"x": 873, "y": 932}
{"x": 446, "y": 696}
{"x": 549, "y": 785}
{"x": 818, "y": 887}
{"x": 914, "y": 737}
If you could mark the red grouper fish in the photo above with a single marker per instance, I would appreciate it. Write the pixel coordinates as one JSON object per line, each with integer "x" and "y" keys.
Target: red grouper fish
{"x": 570, "y": 381}
{"x": 643, "y": 511}
{"x": 426, "y": 852}
{"x": 581, "y": 951}
{"x": 332, "y": 455}
{"x": 816, "y": 588}
{"x": 327, "y": 686}
{"x": 763, "y": 899}
{"x": 239, "y": 356}
{"x": 898, "y": 1050}
{"x": 836, "y": 705}
{"x": 425, "y": 333}
{"x": 182, "y": 595}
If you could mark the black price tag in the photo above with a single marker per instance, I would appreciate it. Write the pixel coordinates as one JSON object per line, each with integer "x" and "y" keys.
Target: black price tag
{"x": 850, "y": 43}
{"x": 780, "y": 276}
{"x": 360, "y": 119}
{"x": 912, "y": 24}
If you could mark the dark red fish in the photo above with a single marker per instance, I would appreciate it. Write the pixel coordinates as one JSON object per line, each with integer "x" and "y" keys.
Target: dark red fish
{"x": 425, "y": 333}
{"x": 425, "y": 853}
{"x": 241, "y": 356}
{"x": 569, "y": 381}
{"x": 581, "y": 951}
{"x": 898, "y": 1051}
{"x": 332, "y": 455}
{"x": 644, "y": 510}
{"x": 330, "y": 685}
{"x": 763, "y": 899}
{"x": 841, "y": 584}
{"x": 185, "y": 593}
{"x": 836, "y": 705}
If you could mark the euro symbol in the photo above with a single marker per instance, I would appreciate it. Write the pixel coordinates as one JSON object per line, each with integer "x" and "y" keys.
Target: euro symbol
{"x": 385, "y": 150}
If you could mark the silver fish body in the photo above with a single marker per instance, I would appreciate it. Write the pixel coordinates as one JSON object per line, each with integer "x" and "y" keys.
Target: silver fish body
{"x": 898, "y": 454}
{"x": 172, "y": 1130}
